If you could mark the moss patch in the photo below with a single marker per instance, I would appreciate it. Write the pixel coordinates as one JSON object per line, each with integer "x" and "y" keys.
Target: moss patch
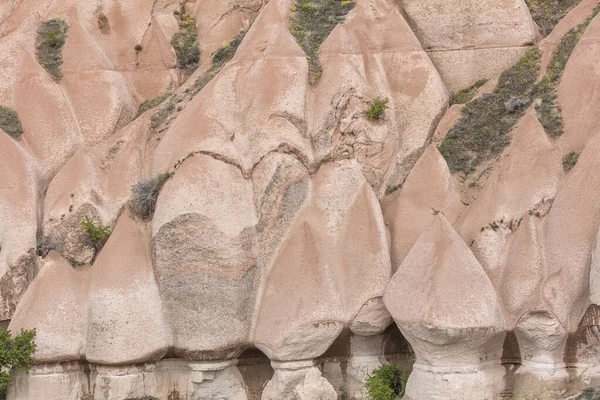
{"x": 464, "y": 96}
{"x": 51, "y": 36}
{"x": 548, "y": 13}
{"x": 185, "y": 42}
{"x": 482, "y": 132}
{"x": 312, "y": 21}
{"x": 9, "y": 122}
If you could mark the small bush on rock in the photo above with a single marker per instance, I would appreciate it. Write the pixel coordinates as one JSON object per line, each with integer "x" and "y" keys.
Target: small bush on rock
{"x": 145, "y": 193}
{"x": 97, "y": 233}
{"x": 570, "y": 160}
{"x": 102, "y": 21}
{"x": 51, "y": 37}
{"x": 9, "y": 122}
{"x": 464, "y": 96}
{"x": 185, "y": 42}
{"x": 386, "y": 383}
{"x": 377, "y": 108}
{"x": 151, "y": 103}
{"x": 16, "y": 355}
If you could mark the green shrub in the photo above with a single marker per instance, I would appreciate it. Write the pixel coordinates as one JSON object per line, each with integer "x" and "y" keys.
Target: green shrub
{"x": 138, "y": 48}
{"x": 16, "y": 355}
{"x": 548, "y": 110}
{"x": 9, "y": 122}
{"x": 145, "y": 193}
{"x": 51, "y": 36}
{"x": 464, "y": 96}
{"x": 482, "y": 132}
{"x": 570, "y": 160}
{"x": 386, "y": 383}
{"x": 312, "y": 22}
{"x": 377, "y": 108}
{"x": 151, "y": 103}
{"x": 185, "y": 42}
{"x": 548, "y": 13}
{"x": 97, "y": 233}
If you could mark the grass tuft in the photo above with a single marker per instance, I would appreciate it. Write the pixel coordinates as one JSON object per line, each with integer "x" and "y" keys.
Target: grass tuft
{"x": 482, "y": 132}
{"x": 151, "y": 103}
{"x": 51, "y": 37}
{"x": 464, "y": 96}
{"x": 312, "y": 22}
{"x": 10, "y": 123}
{"x": 548, "y": 13}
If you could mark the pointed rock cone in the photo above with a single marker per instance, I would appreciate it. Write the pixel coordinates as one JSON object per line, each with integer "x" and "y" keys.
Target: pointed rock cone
{"x": 446, "y": 307}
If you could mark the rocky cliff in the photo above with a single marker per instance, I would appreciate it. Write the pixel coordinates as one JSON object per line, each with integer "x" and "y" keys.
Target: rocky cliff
{"x": 268, "y": 199}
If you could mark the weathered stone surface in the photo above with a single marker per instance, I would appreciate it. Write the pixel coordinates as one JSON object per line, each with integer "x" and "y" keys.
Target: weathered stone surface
{"x": 286, "y": 209}
{"x": 314, "y": 267}
{"x": 299, "y": 380}
{"x": 205, "y": 258}
{"x": 470, "y": 40}
{"x": 427, "y": 191}
{"x": 18, "y": 224}
{"x": 56, "y": 306}
{"x": 457, "y": 334}
{"x": 124, "y": 300}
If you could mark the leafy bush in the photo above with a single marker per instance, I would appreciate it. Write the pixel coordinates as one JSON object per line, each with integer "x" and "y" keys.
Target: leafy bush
{"x": 138, "y": 47}
{"x": 97, "y": 233}
{"x": 185, "y": 42}
{"x": 51, "y": 36}
{"x": 386, "y": 383}
{"x": 151, "y": 103}
{"x": 312, "y": 22}
{"x": 377, "y": 108}
{"x": 570, "y": 160}
{"x": 548, "y": 13}
{"x": 9, "y": 122}
{"x": 464, "y": 96}
{"x": 145, "y": 193}
{"x": 482, "y": 131}
{"x": 16, "y": 355}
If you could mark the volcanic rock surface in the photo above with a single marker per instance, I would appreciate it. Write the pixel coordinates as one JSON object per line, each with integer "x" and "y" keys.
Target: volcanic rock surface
{"x": 222, "y": 218}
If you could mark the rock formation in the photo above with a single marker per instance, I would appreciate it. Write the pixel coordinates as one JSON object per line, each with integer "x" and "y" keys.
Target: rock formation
{"x": 197, "y": 205}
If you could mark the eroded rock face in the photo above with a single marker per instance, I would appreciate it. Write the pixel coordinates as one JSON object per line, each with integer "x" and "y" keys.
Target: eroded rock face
{"x": 458, "y": 330}
{"x": 296, "y": 243}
